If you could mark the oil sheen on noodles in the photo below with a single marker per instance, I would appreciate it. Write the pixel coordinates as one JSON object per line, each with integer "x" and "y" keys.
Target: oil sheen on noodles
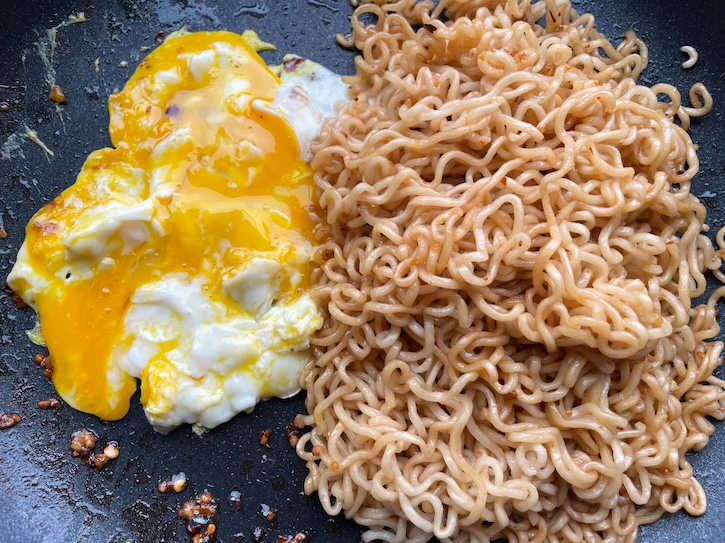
{"x": 512, "y": 348}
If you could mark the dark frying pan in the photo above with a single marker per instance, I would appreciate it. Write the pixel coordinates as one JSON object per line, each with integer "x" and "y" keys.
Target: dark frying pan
{"x": 45, "y": 495}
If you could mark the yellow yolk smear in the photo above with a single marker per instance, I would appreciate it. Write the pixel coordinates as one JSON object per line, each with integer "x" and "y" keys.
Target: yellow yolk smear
{"x": 199, "y": 182}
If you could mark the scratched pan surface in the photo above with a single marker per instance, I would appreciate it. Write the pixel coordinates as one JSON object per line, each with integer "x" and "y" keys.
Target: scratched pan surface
{"x": 45, "y": 496}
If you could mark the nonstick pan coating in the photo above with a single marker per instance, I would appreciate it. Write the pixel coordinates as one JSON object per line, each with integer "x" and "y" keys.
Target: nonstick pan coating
{"x": 45, "y": 495}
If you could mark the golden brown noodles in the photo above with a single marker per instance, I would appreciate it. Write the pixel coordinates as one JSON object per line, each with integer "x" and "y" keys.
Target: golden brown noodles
{"x": 511, "y": 349}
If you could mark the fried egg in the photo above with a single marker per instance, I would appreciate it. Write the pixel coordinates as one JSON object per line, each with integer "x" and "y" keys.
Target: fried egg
{"x": 181, "y": 256}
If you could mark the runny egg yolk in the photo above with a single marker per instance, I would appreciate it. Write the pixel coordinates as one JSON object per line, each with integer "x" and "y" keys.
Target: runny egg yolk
{"x": 208, "y": 180}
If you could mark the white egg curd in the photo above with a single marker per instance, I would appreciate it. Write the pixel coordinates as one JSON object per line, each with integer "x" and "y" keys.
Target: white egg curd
{"x": 181, "y": 256}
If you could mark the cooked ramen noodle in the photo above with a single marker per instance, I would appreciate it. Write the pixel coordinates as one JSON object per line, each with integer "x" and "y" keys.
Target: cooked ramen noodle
{"x": 514, "y": 348}
{"x": 692, "y": 56}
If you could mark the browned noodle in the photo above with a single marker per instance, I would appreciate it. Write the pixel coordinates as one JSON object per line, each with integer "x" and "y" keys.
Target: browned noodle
{"x": 512, "y": 348}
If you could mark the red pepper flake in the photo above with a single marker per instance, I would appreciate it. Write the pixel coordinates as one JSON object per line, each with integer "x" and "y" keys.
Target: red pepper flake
{"x": 3, "y": 233}
{"x": 8, "y": 420}
{"x": 264, "y": 436}
{"x": 429, "y": 27}
{"x": 160, "y": 36}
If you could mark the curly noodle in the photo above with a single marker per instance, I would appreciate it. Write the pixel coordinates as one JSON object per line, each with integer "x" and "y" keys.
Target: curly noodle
{"x": 512, "y": 256}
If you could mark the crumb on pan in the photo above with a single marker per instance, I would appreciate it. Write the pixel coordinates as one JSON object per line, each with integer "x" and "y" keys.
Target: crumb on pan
{"x": 264, "y": 436}
{"x": 202, "y": 518}
{"x": 177, "y": 483}
{"x": 8, "y": 420}
{"x": 50, "y": 403}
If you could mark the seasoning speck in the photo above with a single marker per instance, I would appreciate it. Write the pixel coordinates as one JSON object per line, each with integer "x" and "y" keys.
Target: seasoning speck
{"x": 3, "y": 233}
{"x": 4, "y": 107}
{"x": 8, "y": 420}
{"x": 57, "y": 94}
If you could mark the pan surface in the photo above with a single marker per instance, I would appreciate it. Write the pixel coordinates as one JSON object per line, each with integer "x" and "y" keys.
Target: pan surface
{"x": 45, "y": 495}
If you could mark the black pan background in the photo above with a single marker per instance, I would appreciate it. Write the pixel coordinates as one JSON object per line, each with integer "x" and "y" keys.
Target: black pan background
{"x": 45, "y": 496}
